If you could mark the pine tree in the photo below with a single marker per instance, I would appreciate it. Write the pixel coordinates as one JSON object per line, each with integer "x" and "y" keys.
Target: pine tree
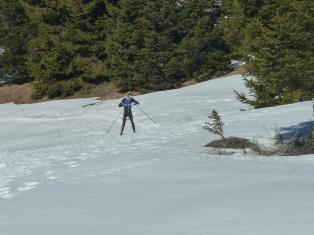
{"x": 69, "y": 44}
{"x": 236, "y": 16}
{"x": 142, "y": 46}
{"x": 232, "y": 23}
{"x": 281, "y": 49}
{"x": 15, "y": 33}
{"x": 203, "y": 47}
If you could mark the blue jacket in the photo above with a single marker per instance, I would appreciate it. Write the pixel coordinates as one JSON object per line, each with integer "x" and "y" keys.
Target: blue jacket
{"x": 127, "y": 104}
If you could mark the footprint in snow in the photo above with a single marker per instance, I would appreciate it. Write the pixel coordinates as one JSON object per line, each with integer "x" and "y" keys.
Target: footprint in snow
{"x": 50, "y": 175}
{"x": 5, "y": 193}
{"x": 27, "y": 186}
{"x": 2, "y": 165}
{"x": 49, "y": 172}
{"x": 71, "y": 164}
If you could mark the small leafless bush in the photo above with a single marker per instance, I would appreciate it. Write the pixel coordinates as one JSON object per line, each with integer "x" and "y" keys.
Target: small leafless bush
{"x": 231, "y": 142}
{"x": 290, "y": 148}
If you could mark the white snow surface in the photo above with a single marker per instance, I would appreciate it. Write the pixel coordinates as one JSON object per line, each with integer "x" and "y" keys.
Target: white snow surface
{"x": 60, "y": 174}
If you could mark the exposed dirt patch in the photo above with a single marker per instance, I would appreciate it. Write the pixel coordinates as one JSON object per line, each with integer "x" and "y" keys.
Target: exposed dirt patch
{"x": 240, "y": 70}
{"x": 16, "y": 93}
{"x": 189, "y": 82}
{"x": 103, "y": 91}
{"x": 21, "y": 94}
{"x": 232, "y": 143}
{"x": 289, "y": 149}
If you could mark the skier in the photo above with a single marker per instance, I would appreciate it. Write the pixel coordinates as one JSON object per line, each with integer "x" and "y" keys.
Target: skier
{"x": 127, "y": 104}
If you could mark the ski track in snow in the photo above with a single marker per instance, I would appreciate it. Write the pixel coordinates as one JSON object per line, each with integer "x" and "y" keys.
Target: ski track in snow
{"x": 60, "y": 143}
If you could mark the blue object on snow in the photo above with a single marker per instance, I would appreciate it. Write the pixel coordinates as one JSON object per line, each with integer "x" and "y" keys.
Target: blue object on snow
{"x": 300, "y": 133}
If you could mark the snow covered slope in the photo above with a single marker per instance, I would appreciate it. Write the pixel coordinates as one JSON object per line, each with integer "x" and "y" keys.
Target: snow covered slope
{"x": 60, "y": 174}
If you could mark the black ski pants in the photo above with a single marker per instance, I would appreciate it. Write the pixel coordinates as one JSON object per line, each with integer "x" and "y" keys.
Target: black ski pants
{"x": 125, "y": 116}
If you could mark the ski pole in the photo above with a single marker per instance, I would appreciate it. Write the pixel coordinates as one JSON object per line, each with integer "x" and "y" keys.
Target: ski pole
{"x": 113, "y": 123}
{"x": 145, "y": 113}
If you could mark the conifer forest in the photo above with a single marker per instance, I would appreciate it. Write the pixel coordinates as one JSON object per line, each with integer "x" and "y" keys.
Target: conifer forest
{"x": 62, "y": 46}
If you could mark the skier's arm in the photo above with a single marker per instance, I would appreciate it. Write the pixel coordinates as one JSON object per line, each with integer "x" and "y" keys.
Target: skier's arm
{"x": 121, "y": 103}
{"x": 136, "y": 102}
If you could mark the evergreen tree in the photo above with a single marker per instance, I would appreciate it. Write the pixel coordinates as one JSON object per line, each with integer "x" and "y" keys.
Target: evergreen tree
{"x": 157, "y": 45}
{"x": 281, "y": 49}
{"x": 203, "y": 47}
{"x": 237, "y": 15}
{"x": 69, "y": 45}
{"x": 142, "y": 46}
{"x": 232, "y": 24}
{"x": 15, "y": 33}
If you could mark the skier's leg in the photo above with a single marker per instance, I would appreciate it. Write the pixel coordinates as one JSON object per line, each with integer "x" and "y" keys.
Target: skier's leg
{"x": 132, "y": 121}
{"x": 123, "y": 123}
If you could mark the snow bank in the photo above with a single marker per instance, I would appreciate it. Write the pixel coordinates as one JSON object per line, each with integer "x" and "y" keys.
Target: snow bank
{"x": 60, "y": 174}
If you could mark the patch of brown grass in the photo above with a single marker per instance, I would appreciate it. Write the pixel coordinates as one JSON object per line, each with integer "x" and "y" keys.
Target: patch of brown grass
{"x": 103, "y": 91}
{"x": 290, "y": 149}
{"x": 189, "y": 83}
{"x": 305, "y": 149}
{"x": 18, "y": 94}
{"x": 21, "y": 94}
{"x": 232, "y": 143}
{"x": 279, "y": 149}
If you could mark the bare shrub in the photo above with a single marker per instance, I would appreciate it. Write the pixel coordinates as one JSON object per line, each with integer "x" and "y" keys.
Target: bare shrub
{"x": 231, "y": 142}
{"x": 291, "y": 148}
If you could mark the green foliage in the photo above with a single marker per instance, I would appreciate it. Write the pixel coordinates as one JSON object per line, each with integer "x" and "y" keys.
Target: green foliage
{"x": 231, "y": 25}
{"x": 69, "y": 43}
{"x": 143, "y": 45}
{"x": 39, "y": 90}
{"x": 15, "y": 33}
{"x": 237, "y": 15}
{"x": 277, "y": 39}
{"x": 57, "y": 89}
{"x": 157, "y": 45}
{"x": 203, "y": 48}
